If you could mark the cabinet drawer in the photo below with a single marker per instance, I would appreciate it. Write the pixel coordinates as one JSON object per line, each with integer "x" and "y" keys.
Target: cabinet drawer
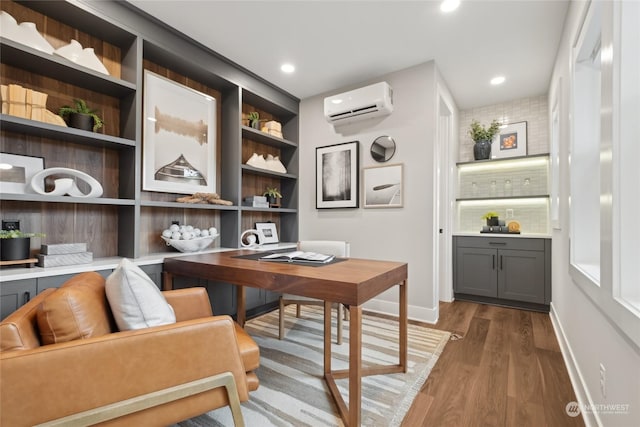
{"x": 486, "y": 242}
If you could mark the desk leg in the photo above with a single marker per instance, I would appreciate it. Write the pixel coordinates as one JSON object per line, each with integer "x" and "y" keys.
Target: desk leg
{"x": 167, "y": 281}
{"x": 327, "y": 338}
{"x": 403, "y": 321}
{"x": 355, "y": 365}
{"x": 241, "y": 307}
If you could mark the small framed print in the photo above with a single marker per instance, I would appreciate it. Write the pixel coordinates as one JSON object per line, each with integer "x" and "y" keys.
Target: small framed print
{"x": 16, "y": 172}
{"x": 510, "y": 142}
{"x": 337, "y": 175}
{"x": 267, "y": 232}
{"x": 383, "y": 186}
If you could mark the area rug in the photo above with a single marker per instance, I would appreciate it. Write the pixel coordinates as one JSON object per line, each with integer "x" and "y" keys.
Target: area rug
{"x": 292, "y": 389}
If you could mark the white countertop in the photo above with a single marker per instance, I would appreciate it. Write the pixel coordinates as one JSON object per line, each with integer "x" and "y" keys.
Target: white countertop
{"x": 527, "y": 235}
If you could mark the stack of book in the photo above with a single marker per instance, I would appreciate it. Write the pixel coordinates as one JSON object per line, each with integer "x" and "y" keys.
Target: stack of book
{"x": 272, "y": 128}
{"x": 61, "y": 254}
{"x": 255, "y": 201}
{"x": 28, "y": 104}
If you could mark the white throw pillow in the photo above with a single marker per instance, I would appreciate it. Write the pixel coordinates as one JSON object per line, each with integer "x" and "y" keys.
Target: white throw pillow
{"x": 136, "y": 302}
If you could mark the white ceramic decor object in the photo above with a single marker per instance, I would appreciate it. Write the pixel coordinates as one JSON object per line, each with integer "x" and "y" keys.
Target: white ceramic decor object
{"x": 9, "y": 27}
{"x": 274, "y": 164}
{"x": 191, "y": 245}
{"x": 28, "y": 34}
{"x": 71, "y": 51}
{"x": 66, "y": 185}
{"x": 257, "y": 161}
{"x": 89, "y": 59}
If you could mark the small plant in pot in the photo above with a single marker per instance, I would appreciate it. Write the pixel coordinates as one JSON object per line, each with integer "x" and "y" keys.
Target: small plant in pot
{"x": 273, "y": 197}
{"x": 254, "y": 120}
{"x": 491, "y": 218}
{"x": 80, "y": 116}
{"x": 482, "y": 137}
{"x": 15, "y": 245}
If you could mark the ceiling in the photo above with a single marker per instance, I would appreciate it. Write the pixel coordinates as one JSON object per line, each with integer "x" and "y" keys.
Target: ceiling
{"x": 334, "y": 44}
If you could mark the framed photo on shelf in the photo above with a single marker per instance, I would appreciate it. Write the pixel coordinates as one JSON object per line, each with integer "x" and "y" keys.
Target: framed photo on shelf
{"x": 383, "y": 186}
{"x": 267, "y": 232}
{"x": 337, "y": 169}
{"x": 16, "y": 171}
{"x": 179, "y": 138}
{"x": 510, "y": 142}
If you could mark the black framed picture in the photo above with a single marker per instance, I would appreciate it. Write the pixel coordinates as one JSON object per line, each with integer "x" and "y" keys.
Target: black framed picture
{"x": 337, "y": 170}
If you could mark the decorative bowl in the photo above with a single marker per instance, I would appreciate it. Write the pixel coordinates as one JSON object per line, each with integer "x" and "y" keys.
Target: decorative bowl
{"x": 192, "y": 245}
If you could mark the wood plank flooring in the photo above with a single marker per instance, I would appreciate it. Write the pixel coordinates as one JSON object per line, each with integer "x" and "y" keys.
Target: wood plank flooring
{"x": 507, "y": 370}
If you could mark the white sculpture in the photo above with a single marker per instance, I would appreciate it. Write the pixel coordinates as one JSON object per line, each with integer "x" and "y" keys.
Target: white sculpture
{"x": 65, "y": 185}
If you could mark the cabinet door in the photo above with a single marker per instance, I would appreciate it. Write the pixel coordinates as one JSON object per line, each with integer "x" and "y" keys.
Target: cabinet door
{"x": 15, "y": 294}
{"x": 521, "y": 275}
{"x": 476, "y": 271}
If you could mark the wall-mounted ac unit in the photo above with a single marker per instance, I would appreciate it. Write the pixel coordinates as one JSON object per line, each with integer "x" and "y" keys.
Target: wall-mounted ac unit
{"x": 359, "y": 104}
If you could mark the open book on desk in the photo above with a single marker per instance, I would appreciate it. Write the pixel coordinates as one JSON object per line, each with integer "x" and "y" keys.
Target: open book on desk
{"x": 298, "y": 256}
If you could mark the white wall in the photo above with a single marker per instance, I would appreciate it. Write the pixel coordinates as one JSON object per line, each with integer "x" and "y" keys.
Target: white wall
{"x": 588, "y": 336}
{"x": 402, "y": 234}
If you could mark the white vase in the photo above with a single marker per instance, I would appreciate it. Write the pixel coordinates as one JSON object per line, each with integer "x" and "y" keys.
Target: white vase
{"x": 89, "y": 59}
{"x": 28, "y": 35}
{"x": 71, "y": 51}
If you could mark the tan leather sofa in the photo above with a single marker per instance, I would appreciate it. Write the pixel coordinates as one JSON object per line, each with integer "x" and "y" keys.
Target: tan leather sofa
{"x": 39, "y": 383}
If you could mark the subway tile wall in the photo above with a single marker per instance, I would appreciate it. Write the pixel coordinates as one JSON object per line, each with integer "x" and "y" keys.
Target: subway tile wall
{"x": 533, "y": 110}
{"x": 532, "y": 214}
{"x": 511, "y": 181}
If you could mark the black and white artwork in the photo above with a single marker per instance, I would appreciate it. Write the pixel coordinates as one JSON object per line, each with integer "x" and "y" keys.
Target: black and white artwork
{"x": 179, "y": 137}
{"x": 383, "y": 186}
{"x": 337, "y": 175}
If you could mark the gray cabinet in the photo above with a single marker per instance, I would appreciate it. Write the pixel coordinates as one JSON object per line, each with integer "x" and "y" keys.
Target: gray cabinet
{"x": 15, "y": 294}
{"x": 514, "y": 271}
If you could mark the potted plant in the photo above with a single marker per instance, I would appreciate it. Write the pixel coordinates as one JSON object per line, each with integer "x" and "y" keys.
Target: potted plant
{"x": 482, "y": 137}
{"x": 273, "y": 197}
{"x": 254, "y": 120}
{"x": 15, "y": 245}
{"x": 491, "y": 218}
{"x": 80, "y": 116}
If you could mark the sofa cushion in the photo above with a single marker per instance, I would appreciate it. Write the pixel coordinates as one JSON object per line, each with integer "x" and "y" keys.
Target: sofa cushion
{"x": 19, "y": 330}
{"x": 136, "y": 302}
{"x": 77, "y": 310}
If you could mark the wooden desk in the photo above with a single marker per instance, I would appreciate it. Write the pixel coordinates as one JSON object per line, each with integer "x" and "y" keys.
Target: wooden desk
{"x": 352, "y": 282}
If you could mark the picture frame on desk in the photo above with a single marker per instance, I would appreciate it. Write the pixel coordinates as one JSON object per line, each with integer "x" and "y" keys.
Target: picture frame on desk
{"x": 179, "y": 138}
{"x": 267, "y": 233}
{"x": 337, "y": 170}
{"x": 511, "y": 141}
{"x": 16, "y": 172}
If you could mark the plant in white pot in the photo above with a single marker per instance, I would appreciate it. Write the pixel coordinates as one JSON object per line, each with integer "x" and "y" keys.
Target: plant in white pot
{"x": 482, "y": 137}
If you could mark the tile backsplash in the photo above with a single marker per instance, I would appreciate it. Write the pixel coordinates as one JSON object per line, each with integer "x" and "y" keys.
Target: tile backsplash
{"x": 511, "y": 180}
{"x": 532, "y": 214}
{"x": 533, "y": 110}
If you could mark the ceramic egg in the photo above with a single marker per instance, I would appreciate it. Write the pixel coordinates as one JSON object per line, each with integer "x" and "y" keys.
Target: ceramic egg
{"x": 213, "y": 231}
{"x": 174, "y": 228}
{"x": 176, "y": 235}
{"x": 204, "y": 233}
{"x": 166, "y": 233}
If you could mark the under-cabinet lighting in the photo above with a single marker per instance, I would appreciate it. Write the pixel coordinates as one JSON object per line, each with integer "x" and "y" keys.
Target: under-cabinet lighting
{"x": 5, "y": 166}
{"x": 498, "y": 80}
{"x": 504, "y": 164}
{"x": 505, "y": 202}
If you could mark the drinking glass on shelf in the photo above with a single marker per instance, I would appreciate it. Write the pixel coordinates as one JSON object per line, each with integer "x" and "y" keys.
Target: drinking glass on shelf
{"x": 474, "y": 189}
{"x": 526, "y": 186}
{"x": 508, "y": 188}
{"x": 493, "y": 187}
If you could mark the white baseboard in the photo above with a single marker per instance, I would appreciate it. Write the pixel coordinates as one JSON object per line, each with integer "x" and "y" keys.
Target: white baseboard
{"x": 590, "y": 418}
{"x": 422, "y": 314}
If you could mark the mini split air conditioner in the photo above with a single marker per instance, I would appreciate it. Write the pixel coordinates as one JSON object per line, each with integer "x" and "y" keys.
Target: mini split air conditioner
{"x": 360, "y": 104}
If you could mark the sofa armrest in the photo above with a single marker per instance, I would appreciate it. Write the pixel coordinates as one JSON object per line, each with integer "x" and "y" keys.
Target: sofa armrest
{"x": 57, "y": 380}
{"x": 189, "y": 303}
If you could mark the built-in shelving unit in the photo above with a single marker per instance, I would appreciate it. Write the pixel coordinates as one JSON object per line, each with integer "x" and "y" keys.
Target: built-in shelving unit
{"x": 127, "y": 220}
{"x": 516, "y": 188}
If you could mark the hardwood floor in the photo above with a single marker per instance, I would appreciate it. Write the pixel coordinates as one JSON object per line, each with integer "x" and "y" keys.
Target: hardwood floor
{"x": 507, "y": 370}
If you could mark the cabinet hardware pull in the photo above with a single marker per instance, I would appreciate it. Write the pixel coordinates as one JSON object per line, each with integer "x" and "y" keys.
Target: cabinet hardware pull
{"x": 493, "y": 262}
{"x": 500, "y": 262}
{"x": 27, "y": 297}
{"x": 498, "y": 243}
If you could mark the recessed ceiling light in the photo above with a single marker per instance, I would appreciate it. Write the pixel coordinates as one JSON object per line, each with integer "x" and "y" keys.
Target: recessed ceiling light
{"x": 497, "y": 80}
{"x": 287, "y": 68}
{"x": 449, "y": 5}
